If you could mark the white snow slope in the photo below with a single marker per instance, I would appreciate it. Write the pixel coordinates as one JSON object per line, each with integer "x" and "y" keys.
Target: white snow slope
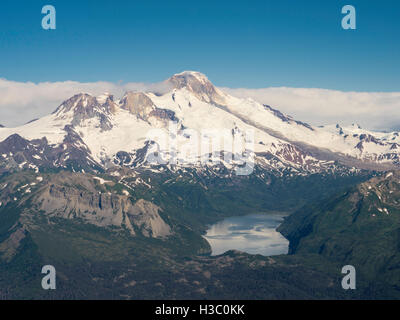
{"x": 195, "y": 109}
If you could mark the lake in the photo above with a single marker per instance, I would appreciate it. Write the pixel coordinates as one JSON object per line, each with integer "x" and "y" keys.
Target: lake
{"x": 254, "y": 234}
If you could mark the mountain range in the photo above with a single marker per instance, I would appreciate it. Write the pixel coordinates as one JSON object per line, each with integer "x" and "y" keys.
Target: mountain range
{"x": 87, "y": 132}
{"x": 79, "y": 189}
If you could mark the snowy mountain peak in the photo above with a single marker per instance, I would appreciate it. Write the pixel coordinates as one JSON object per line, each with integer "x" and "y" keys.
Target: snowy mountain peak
{"x": 82, "y": 107}
{"x": 192, "y": 74}
{"x": 141, "y": 105}
{"x": 104, "y": 98}
{"x": 80, "y": 99}
{"x": 137, "y": 103}
{"x": 120, "y": 130}
{"x": 198, "y": 84}
{"x": 85, "y": 102}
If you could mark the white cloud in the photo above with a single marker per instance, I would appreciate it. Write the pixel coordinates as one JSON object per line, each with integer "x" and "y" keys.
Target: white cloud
{"x": 372, "y": 110}
{"x": 21, "y": 102}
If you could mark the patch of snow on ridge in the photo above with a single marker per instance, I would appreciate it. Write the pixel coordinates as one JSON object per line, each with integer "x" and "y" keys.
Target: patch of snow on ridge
{"x": 101, "y": 180}
{"x": 128, "y": 134}
{"x": 48, "y": 126}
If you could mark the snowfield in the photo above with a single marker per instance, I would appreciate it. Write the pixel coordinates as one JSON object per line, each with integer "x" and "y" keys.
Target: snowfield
{"x": 196, "y": 108}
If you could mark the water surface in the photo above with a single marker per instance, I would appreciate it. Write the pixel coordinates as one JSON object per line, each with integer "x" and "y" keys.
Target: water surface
{"x": 254, "y": 234}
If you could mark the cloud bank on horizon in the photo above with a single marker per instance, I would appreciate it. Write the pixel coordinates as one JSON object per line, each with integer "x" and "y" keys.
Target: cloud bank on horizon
{"x": 372, "y": 110}
{"x": 21, "y": 102}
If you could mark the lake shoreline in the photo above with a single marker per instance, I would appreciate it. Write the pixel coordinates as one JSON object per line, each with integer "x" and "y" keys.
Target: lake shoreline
{"x": 253, "y": 234}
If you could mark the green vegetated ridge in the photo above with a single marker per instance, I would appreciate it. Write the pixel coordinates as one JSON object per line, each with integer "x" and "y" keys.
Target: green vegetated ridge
{"x": 359, "y": 227}
{"x": 112, "y": 261}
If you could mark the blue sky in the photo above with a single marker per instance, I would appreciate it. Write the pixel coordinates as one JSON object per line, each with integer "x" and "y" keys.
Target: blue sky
{"x": 252, "y": 44}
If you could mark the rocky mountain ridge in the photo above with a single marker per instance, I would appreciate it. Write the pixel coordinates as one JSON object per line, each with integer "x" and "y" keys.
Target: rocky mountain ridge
{"x": 91, "y": 133}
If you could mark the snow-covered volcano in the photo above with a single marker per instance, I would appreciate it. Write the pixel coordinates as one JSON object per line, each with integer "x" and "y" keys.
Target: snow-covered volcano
{"x": 99, "y": 132}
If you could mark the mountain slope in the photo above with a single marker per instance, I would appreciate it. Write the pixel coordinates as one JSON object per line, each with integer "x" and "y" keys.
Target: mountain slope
{"x": 141, "y": 233}
{"x": 193, "y": 110}
{"x": 360, "y": 227}
{"x": 118, "y": 192}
